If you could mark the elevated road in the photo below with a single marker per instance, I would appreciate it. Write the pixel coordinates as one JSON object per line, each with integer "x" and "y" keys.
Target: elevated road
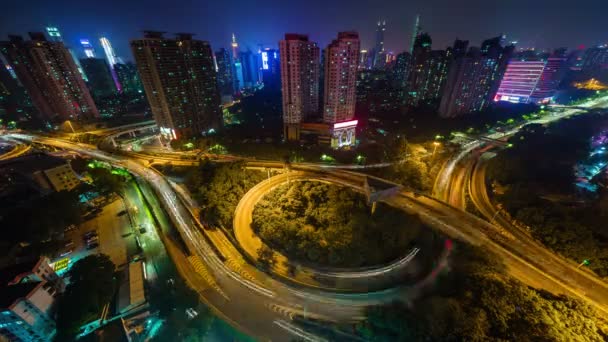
{"x": 225, "y": 289}
{"x": 347, "y": 280}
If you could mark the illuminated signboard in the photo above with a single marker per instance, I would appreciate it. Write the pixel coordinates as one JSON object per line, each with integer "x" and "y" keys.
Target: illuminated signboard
{"x": 345, "y": 124}
{"x": 61, "y": 264}
{"x": 265, "y": 60}
{"x": 85, "y": 42}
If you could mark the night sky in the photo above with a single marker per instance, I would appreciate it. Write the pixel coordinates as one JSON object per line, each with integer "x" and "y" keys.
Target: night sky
{"x": 540, "y": 23}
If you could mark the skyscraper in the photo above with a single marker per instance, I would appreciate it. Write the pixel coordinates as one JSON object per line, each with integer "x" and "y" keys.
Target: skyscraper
{"x": 88, "y": 49}
{"x": 379, "y": 51}
{"x": 299, "y": 81}
{"x": 473, "y": 78}
{"x": 415, "y": 33}
{"x": 595, "y": 59}
{"x": 271, "y": 69}
{"x": 553, "y": 74}
{"x": 235, "y": 48}
{"x": 128, "y": 78}
{"x": 48, "y": 73}
{"x": 225, "y": 82}
{"x": 179, "y": 79}
{"x": 15, "y": 105}
{"x": 341, "y": 63}
{"x": 400, "y": 73}
{"x": 363, "y": 60}
{"x": 237, "y": 66}
{"x": 428, "y": 73}
{"x": 55, "y": 36}
{"x": 251, "y": 68}
{"x": 100, "y": 81}
{"x": 112, "y": 60}
{"x": 531, "y": 81}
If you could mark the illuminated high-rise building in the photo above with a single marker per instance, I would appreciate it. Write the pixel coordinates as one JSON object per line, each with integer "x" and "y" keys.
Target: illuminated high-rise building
{"x": 128, "y": 78}
{"x": 428, "y": 72}
{"x": 51, "y": 78}
{"x": 251, "y": 68}
{"x": 235, "y": 48}
{"x": 14, "y": 103}
{"x": 223, "y": 58}
{"x": 55, "y": 36}
{"x": 340, "y": 87}
{"x": 88, "y": 49}
{"x": 271, "y": 68}
{"x": 595, "y": 59}
{"x": 112, "y": 59}
{"x": 379, "y": 49}
{"x": 237, "y": 67}
{"x": 179, "y": 79}
{"x": 415, "y": 33}
{"x": 553, "y": 74}
{"x": 474, "y": 77}
{"x": 363, "y": 60}
{"x": 531, "y": 81}
{"x": 519, "y": 81}
{"x": 400, "y": 74}
{"x": 100, "y": 79}
{"x": 299, "y": 82}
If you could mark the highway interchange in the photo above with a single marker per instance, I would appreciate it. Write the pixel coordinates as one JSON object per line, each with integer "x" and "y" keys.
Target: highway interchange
{"x": 264, "y": 306}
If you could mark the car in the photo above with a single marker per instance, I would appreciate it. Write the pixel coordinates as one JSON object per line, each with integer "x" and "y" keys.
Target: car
{"x": 92, "y": 246}
{"x": 90, "y": 233}
{"x": 91, "y": 239}
{"x": 65, "y": 253}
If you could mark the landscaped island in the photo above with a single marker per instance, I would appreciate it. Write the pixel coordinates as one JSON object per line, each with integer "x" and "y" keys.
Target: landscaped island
{"x": 331, "y": 225}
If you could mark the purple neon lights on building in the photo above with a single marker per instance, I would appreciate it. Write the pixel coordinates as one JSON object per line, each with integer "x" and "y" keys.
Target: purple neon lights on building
{"x": 519, "y": 81}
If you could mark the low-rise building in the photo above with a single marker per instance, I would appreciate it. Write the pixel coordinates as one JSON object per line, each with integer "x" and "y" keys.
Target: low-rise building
{"x": 39, "y": 171}
{"x": 25, "y": 311}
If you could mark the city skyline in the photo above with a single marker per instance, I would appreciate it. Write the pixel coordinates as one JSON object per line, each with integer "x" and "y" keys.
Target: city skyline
{"x": 472, "y": 21}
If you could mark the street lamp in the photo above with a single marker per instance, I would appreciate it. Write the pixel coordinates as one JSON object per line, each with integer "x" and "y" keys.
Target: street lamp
{"x": 436, "y": 144}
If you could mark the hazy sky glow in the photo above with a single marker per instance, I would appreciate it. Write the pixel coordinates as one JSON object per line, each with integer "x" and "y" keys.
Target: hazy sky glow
{"x": 540, "y": 23}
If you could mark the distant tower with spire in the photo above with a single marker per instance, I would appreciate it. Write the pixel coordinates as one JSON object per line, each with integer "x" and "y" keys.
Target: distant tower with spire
{"x": 415, "y": 33}
{"x": 379, "y": 51}
{"x": 235, "y": 48}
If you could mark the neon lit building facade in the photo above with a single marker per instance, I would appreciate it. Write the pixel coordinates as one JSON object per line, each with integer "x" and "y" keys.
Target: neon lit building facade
{"x": 299, "y": 82}
{"x": 520, "y": 81}
{"x": 112, "y": 60}
{"x": 553, "y": 73}
{"x": 340, "y": 86}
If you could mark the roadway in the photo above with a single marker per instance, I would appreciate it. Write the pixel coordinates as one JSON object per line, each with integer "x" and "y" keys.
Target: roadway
{"x": 18, "y": 150}
{"x": 465, "y": 175}
{"x": 270, "y": 303}
{"x": 334, "y": 279}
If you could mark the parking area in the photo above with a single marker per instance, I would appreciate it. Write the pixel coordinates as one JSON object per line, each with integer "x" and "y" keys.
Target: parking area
{"x": 107, "y": 231}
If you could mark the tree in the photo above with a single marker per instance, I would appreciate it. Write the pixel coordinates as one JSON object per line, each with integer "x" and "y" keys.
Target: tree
{"x": 107, "y": 181}
{"x": 266, "y": 257}
{"x": 92, "y": 284}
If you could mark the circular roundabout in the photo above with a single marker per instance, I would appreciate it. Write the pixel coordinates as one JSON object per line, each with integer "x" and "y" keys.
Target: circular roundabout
{"x": 408, "y": 266}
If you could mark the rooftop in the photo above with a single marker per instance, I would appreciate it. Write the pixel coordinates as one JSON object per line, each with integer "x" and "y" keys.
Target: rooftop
{"x": 10, "y": 294}
{"x": 9, "y": 273}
